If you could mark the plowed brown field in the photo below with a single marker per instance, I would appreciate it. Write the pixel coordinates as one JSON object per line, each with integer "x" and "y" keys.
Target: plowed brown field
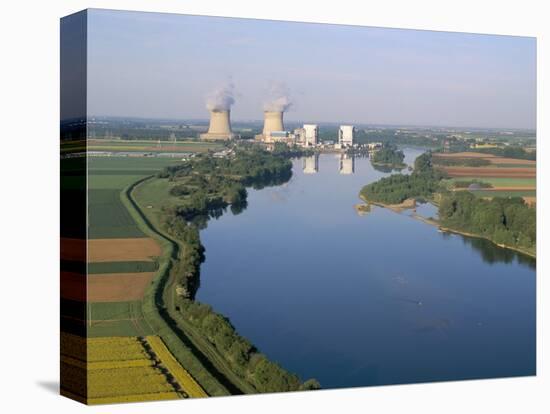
{"x": 503, "y": 160}
{"x": 122, "y": 250}
{"x": 490, "y": 172}
{"x": 465, "y": 154}
{"x": 118, "y": 287}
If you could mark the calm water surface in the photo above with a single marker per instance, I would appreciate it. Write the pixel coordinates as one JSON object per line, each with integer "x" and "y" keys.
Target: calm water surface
{"x": 366, "y": 300}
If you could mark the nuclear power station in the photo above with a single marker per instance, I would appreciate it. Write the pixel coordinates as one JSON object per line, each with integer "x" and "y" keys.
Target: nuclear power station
{"x": 220, "y": 126}
{"x": 273, "y": 121}
{"x": 274, "y": 129}
{"x": 220, "y": 101}
{"x": 346, "y": 134}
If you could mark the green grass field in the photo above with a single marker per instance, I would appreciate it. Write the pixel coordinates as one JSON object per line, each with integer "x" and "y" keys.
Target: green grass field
{"x": 505, "y": 165}
{"x": 121, "y": 267}
{"x": 148, "y": 195}
{"x": 489, "y": 193}
{"x": 153, "y": 146}
{"x": 107, "y": 177}
{"x": 134, "y": 164}
{"x": 108, "y": 218}
{"x": 117, "y": 319}
{"x": 501, "y": 182}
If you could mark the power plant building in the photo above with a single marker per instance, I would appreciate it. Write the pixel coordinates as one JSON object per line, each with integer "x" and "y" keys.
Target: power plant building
{"x": 311, "y": 135}
{"x": 346, "y": 134}
{"x": 220, "y": 126}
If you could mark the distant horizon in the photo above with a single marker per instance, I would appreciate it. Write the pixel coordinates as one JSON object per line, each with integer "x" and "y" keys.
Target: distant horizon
{"x": 260, "y": 120}
{"x": 172, "y": 66}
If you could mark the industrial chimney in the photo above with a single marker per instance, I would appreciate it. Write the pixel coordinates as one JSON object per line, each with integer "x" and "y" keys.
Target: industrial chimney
{"x": 220, "y": 125}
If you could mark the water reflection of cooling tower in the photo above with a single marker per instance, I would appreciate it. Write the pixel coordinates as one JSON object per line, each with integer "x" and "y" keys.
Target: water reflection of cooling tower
{"x": 273, "y": 121}
{"x": 347, "y": 164}
{"x": 311, "y": 164}
{"x": 220, "y": 125}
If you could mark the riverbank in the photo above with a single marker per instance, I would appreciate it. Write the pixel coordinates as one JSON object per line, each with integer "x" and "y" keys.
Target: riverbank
{"x": 398, "y": 208}
{"x": 410, "y": 203}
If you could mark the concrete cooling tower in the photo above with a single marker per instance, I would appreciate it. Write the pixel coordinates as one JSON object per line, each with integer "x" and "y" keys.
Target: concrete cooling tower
{"x": 273, "y": 121}
{"x": 220, "y": 126}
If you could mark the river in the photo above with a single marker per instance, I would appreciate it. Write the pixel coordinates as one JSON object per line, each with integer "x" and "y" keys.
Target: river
{"x": 376, "y": 299}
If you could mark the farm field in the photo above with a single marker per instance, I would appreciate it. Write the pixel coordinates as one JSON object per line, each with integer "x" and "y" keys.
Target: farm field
{"x": 116, "y": 287}
{"x": 122, "y": 267}
{"x": 502, "y": 181}
{"x": 117, "y": 319}
{"x": 508, "y": 177}
{"x": 490, "y": 172}
{"x": 107, "y": 177}
{"x": 148, "y": 193}
{"x": 107, "y": 216}
{"x": 152, "y": 146}
{"x": 123, "y": 249}
{"x": 122, "y": 261}
{"x": 124, "y": 369}
{"x": 128, "y": 165}
{"x": 503, "y": 193}
{"x": 117, "y": 259}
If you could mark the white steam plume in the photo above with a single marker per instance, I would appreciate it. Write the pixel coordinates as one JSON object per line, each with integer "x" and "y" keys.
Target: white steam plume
{"x": 222, "y": 98}
{"x": 278, "y": 98}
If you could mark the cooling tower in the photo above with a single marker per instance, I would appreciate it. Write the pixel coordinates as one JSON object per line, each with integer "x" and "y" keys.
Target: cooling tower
{"x": 273, "y": 121}
{"x": 220, "y": 125}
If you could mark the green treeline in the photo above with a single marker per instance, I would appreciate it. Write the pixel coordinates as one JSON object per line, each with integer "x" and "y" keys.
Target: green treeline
{"x": 396, "y": 188}
{"x": 507, "y": 221}
{"x": 206, "y": 186}
{"x": 389, "y": 155}
{"x": 282, "y": 149}
{"x": 462, "y": 162}
{"x": 510, "y": 152}
{"x": 468, "y": 183}
{"x": 243, "y": 357}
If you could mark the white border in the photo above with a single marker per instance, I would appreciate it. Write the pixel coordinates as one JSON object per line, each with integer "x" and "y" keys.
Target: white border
{"x": 30, "y": 203}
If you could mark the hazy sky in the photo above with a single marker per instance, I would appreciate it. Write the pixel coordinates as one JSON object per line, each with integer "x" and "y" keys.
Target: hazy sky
{"x": 164, "y": 66}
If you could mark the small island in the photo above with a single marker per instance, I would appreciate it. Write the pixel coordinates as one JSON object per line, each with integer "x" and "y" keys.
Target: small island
{"x": 388, "y": 158}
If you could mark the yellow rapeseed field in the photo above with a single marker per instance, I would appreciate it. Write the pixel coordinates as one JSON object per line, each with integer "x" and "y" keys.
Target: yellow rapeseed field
{"x": 186, "y": 381}
{"x": 123, "y": 369}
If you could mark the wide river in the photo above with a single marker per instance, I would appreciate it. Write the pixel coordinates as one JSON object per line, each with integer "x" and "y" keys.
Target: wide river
{"x": 366, "y": 300}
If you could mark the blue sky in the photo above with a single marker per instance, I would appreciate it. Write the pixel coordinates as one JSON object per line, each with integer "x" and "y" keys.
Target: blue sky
{"x": 165, "y": 66}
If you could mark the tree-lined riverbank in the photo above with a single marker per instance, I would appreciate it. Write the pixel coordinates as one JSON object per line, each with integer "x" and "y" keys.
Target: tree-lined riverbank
{"x": 508, "y": 222}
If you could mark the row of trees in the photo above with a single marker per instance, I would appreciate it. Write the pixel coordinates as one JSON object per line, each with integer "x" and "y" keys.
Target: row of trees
{"x": 463, "y": 162}
{"x": 510, "y": 152}
{"x": 243, "y": 357}
{"x": 508, "y": 221}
